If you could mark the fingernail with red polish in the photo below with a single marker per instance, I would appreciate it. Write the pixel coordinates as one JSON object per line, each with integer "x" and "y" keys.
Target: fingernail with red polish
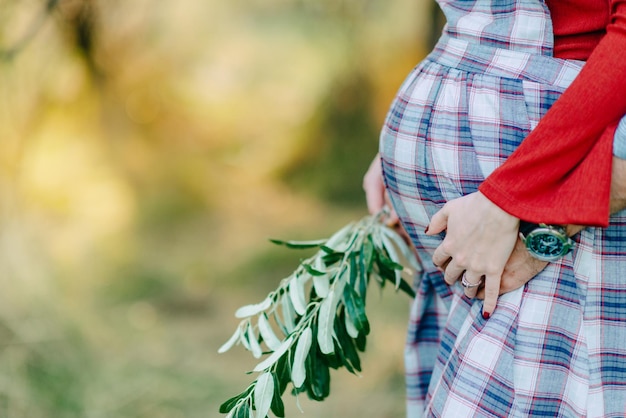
{"x": 426, "y": 230}
{"x": 486, "y": 315}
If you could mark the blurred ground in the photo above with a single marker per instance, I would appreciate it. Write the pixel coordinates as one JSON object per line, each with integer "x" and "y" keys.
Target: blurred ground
{"x": 148, "y": 150}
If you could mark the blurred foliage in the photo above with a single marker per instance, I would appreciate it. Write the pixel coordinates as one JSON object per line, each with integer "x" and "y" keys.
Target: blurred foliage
{"x": 148, "y": 150}
{"x": 335, "y": 144}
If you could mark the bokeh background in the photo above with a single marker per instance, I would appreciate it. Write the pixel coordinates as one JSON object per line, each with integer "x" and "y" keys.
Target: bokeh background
{"x": 148, "y": 149}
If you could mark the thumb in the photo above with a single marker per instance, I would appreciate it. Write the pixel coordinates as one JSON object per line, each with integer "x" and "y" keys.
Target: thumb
{"x": 439, "y": 221}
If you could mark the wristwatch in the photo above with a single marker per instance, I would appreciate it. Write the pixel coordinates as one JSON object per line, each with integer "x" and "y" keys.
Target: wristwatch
{"x": 545, "y": 242}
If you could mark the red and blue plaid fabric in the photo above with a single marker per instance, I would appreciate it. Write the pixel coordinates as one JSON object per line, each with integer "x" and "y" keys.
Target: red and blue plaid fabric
{"x": 557, "y": 346}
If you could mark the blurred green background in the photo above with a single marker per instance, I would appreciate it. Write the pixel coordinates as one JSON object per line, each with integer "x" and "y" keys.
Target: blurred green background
{"x": 148, "y": 149}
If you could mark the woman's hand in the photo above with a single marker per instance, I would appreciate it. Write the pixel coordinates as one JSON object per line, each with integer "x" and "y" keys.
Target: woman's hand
{"x": 483, "y": 217}
{"x": 479, "y": 241}
{"x": 519, "y": 269}
{"x": 521, "y": 266}
{"x": 375, "y": 192}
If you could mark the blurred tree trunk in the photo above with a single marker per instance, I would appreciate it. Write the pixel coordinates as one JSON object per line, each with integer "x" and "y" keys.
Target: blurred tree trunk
{"x": 438, "y": 20}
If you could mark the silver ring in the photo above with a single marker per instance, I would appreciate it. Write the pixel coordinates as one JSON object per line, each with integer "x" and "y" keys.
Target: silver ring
{"x": 467, "y": 284}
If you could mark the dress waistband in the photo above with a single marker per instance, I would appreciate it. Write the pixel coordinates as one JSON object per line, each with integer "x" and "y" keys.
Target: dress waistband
{"x": 476, "y": 58}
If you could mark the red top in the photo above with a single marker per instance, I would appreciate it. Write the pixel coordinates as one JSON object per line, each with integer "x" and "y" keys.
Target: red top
{"x": 565, "y": 162}
{"x": 578, "y": 26}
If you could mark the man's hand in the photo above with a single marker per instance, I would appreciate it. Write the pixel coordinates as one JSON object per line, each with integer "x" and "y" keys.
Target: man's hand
{"x": 479, "y": 240}
{"x": 521, "y": 266}
{"x": 519, "y": 269}
{"x": 618, "y": 185}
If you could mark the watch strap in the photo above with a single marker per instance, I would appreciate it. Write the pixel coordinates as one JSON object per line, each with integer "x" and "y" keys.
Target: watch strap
{"x": 526, "y": 227}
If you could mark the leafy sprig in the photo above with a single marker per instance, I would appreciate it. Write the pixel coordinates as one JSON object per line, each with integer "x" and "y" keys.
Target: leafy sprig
{"x": 305, "y": 337}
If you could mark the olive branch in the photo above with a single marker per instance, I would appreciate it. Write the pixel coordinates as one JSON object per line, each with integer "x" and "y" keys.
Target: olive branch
{"x": 327, "y": 331}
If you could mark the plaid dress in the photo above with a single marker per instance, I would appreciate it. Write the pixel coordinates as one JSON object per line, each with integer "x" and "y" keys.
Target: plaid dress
{"x": 557, "y": 346}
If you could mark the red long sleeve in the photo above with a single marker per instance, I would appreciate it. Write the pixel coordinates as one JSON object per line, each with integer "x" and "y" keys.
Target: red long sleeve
{"x": 561, "y": 173}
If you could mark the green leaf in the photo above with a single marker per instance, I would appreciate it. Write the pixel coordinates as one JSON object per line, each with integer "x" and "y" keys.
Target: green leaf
{"x": 393, "y": 242}
{"x": 391, "y": 249}
{"x": 407, "y": 251}
{"x": 379, "y": 279}
{"x": 387, "y": 274}
{"x": 298, "y": 372}
{"x": 273, "y": 358}
{"x": 251, "y": 310}
{"x": 231, "y": 341}
{"x": 230, "y": 404}
{"x": 334, "y": 310}
{"x": 332, "y": 258}
{"x": 385, "y": 269}
{"x": 365, "y": 267}
{"x": 277, "y": 406}
{"x": 254, "y": 343}
{"x": 318, "y": 381}
{"x": 296, "y": 293}
{"x": 282, "y": 374}
{"x": 312, "y": 271}
{"x": 361, "y": 342}
{"x": 263, "y": 394}
{"x": 347, "y": 344}
{"x": 356, "y": 309}
{"x": 326, "y": 317}
{"x": 406, "y": 288}
{"x": 332, "y": 254}
{"x": 342, "y": 245}
{"x": 335, "y": 360}
{"x": 243, "y": 411}
{"x": 389, "y": 263}
{"x": 267, "y": 333}
{"x": 322, "y": 377}
{"x": 353, "y": 269}
{"x": 299, "y": 244}
{"x": 325, "y": 323}
{"x": 367, "y": 254}
{"x": 321, "y": 284}
{"x": 338, "y": 240}
{"x": 244, "y": 336}
{"x": 288, "y": 314}
{"x": 350, "y": 328}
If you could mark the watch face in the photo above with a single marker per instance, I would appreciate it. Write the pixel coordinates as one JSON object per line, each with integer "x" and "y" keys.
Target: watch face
{"x": 547, "y": 245}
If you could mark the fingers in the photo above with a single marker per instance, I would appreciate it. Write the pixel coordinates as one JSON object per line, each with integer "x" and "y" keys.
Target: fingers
{"x": 440, "y": 257}
{"x": 374, "y": 186}
{"x": 439, "y": 221}
{"x": 492, "y": 290}
{"x": 479, "y": 239}
{"x": 393, "y": 218}
{"x": 474, "y": 284}
{"x": 471, "y": 283}
{"x": 453, "y": 272}
{"x": 519, "y": 270}
{"x": 376, "y": 195}
{"x": 375, "y": 202}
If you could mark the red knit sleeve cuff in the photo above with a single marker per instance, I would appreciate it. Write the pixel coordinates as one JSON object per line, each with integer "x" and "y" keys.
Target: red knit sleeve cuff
{"x": 581, "y": 198}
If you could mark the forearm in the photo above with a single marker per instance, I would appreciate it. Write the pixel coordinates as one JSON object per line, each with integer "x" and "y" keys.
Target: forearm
{"x": 565, "y": 161}
{"x": 618, "y": 185}
{"x": 618, "y": 192}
